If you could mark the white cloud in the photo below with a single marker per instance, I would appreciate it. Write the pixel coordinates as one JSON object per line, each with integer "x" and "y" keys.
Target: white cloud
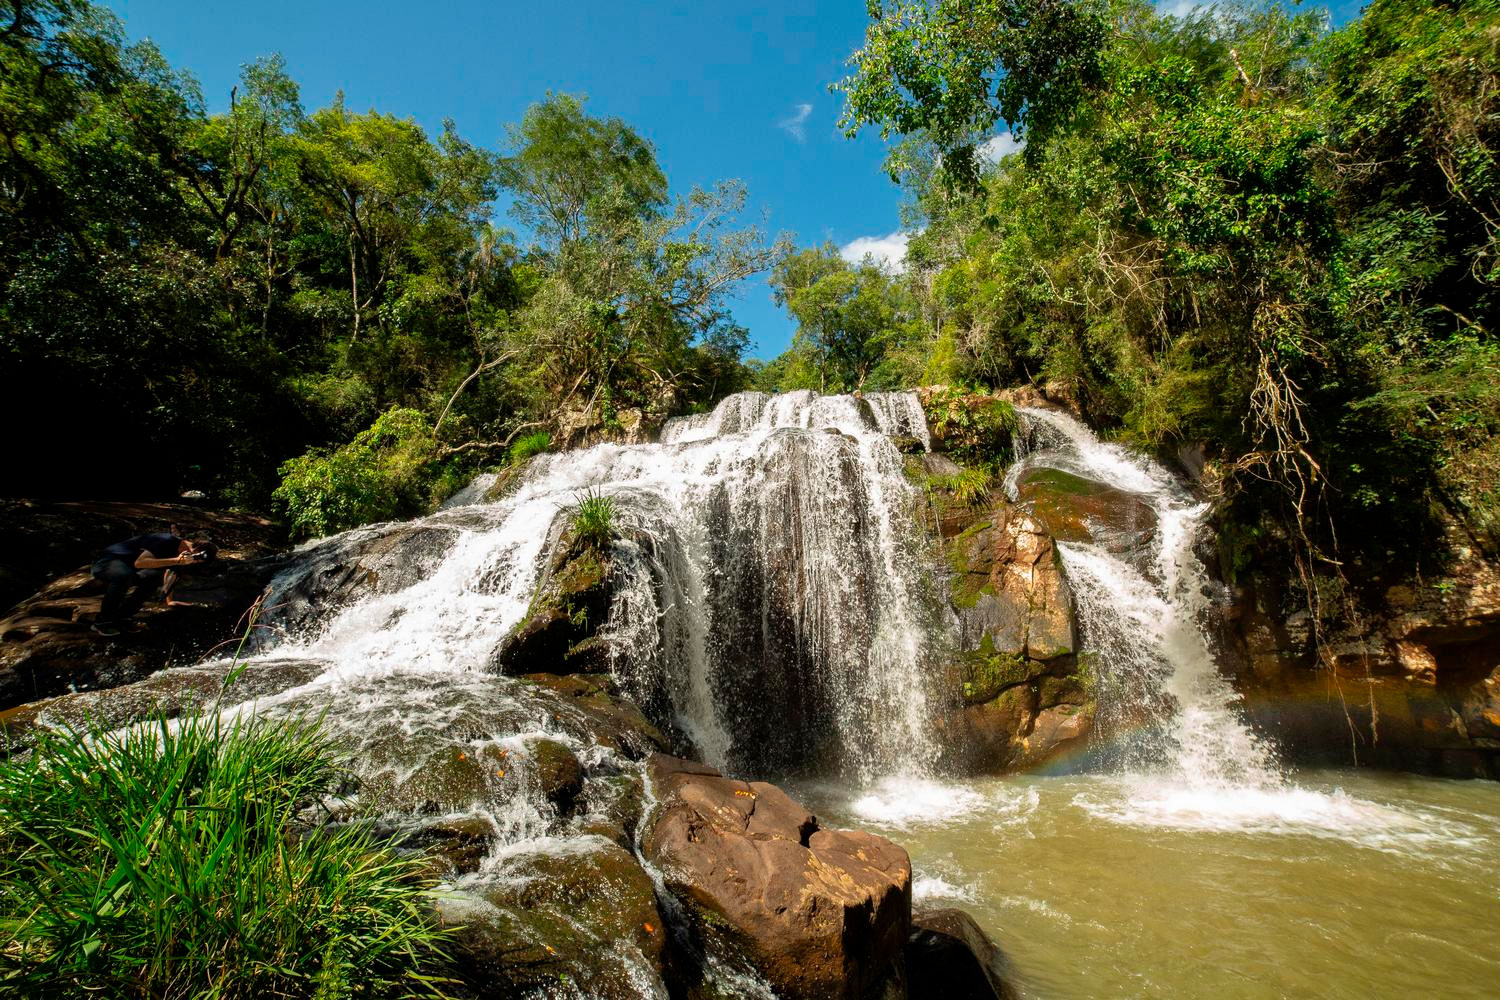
{"x": 1178, "y": 8}
{"x": 794, "y": 124}
{"x": 997, "y": 147}
{"x": 889, "y": 251}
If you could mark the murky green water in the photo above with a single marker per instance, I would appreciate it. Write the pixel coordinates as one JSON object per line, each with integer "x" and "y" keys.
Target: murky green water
{"x": 1340, "y": 884}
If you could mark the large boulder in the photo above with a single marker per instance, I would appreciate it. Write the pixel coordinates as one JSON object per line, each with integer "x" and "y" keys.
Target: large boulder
{"x": 46, "y": 645}
{"x": 816, "y": 913}
{"x": 1022, "y": 696}
{"x": 949, "y": 957}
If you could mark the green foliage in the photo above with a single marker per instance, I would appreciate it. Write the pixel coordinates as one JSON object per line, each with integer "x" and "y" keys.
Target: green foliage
{"x": 387, "y": 471}
{"x": 969, "y": 487}
{"x": 592, "y": 519}
{"x": 951, "y": 69}
{"x": 169, "y": 860}
{"x": 1235, "y": 227}
{"x": 975, "y": 429}
{"x": 852, "y": 322}
{"x": 528, "y": 445}
{"x": 223, "y": 292}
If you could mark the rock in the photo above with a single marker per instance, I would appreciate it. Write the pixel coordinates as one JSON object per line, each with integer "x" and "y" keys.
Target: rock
{"x": 948, "y": 957}
{"x": 1016, "y": 662}
{"x": 1413, "y": 681}
{"x": 558, "y": 774}
{"x": 817, "y": 913}
{"x": 169, "y": 693}
{"x": 571, "y": 602}
{"x": 583, "y": 921}
{"x": 1010, "y": 587}
{"x": 1073, "y": 509}
{"x": 46, "y": 646}
{"x": 379, "y": 559}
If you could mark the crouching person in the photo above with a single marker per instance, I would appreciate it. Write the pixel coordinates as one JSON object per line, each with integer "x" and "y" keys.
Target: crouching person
{"x": 132, "y": 570}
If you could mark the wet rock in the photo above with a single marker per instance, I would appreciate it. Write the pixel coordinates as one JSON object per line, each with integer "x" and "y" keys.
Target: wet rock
{"x": 169, "y": 693}
{"x": 613, "y": 806}
{"x": 380, "y": 559}
{"x": 558, "y": 774}
{"x": 1074, "y": 509}
{"x": 817, "y": 913}
{"x": 580, "y": 921}
{"x": 558, "y": 633}
{"x": 949, "y": 957}
{"x": 585, "y": 703}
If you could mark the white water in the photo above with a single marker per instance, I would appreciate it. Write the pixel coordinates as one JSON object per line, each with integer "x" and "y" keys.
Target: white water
{"x": 1184, "y": 752}
{"x": 768, "y": 594}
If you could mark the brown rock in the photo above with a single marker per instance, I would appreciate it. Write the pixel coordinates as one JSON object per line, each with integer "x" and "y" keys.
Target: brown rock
{"x": 817, "y": 913}
{"x": 948, "y": 957}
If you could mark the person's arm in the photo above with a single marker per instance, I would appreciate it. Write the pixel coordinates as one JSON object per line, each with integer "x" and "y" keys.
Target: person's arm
{"x": 147, "y": 561}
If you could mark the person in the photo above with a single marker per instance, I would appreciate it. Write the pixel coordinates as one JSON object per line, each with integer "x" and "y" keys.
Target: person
{"x": 132, "y": 570}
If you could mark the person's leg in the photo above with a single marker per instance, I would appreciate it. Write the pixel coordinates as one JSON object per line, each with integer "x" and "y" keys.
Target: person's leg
{"x": 146, "y": 582}
{"x": 118, "y": 576}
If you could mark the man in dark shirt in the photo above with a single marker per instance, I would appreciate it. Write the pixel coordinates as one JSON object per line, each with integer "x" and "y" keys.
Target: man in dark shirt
{"x": 132, "y": 570}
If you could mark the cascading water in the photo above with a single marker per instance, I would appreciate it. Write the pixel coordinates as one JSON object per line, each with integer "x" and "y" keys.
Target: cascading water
{"x": 769, "y": 593}
{"x": 1142, "y": 604}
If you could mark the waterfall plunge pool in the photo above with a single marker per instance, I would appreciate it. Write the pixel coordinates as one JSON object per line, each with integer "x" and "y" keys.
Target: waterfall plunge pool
{"x": 1338, "y": 884}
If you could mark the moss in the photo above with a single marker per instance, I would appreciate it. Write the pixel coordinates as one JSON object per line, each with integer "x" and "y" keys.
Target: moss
{"x": 987, "y": 672}
{"x": 968, "y": 585}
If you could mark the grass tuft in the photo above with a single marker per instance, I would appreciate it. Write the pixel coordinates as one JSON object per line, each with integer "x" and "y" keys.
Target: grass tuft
{"x": 593, "y": 519}
{"x": 167, "y": 860}
{"x": 528, "y": 446}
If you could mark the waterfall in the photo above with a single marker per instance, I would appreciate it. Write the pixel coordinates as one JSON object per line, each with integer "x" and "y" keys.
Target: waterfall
{"x": 771, "y": 599}
{"x": 1142, "y": 605}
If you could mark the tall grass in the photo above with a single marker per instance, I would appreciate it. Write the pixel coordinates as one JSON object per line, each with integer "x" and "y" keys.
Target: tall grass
{"x": 167, "y": 861}
{"x": 528, "y": 445}
{"x": 593, "y": 519}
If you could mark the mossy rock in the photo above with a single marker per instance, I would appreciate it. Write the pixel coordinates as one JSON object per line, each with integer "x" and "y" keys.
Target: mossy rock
{"x": 988, "y": 672}
{"x": 1075, "y": 509}
{"x": 571, "y": 603}
{"x": 583, "y": 920}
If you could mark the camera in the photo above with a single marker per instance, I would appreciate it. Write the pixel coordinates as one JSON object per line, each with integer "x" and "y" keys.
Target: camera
{"x": 200, "y": 555}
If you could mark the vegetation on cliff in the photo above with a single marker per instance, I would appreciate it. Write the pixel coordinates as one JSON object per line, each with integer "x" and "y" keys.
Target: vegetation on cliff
{"x": 1235, "y": 227}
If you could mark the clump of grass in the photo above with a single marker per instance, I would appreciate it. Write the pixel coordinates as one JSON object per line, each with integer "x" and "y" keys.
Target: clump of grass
{"x": 166, "y": 861}
{"x": 593, "y": 519}
{"x": 969, "y": 486}
{"x": 531, "y": 444}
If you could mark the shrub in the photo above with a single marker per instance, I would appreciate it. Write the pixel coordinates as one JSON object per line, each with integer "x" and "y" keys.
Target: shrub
{"x": 974, "y": 428}
{"x": 527, "y": 447}
{"x": 593, "y": 519}
{"x": 387, "y": 471}
{"x": 161, "y": 862}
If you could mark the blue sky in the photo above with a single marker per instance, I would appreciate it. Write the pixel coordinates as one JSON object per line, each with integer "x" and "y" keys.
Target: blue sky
{"x": 721, "y": 90}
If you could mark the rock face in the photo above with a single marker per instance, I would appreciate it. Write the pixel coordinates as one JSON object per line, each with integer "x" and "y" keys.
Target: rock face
{"x": 558, "y": 635}
{"x": 1024, "y": 697}
{"x": 1418, "y": 684}
{"x": 818, "y": 913}
{"x": 46, "y": 647}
